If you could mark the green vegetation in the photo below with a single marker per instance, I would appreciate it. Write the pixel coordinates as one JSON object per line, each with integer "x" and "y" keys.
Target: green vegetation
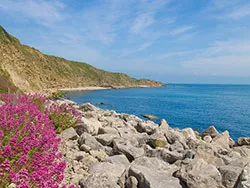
{"x": 32, "y": 71}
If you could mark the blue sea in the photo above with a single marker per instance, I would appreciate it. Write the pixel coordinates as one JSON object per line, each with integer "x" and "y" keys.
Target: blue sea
{"x": 227, "y": 107}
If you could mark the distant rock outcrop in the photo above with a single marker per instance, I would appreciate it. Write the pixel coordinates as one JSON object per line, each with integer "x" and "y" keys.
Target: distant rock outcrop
{"x": 123, "y": 151}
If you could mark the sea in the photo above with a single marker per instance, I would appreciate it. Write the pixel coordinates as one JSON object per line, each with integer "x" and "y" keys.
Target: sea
{"x": 227, "y": 107}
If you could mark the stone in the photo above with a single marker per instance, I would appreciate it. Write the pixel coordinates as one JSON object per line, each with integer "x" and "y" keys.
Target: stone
{"x": 87, "y": 107}
{"x": 103, "y": 175}
{"x": 207, "y": 139}
{"x": 244, "y": 181}
{"x": 158, "y": 140}
{"x": 222, "y": 141}
{"x": 200, "y": 174}
{"x": 69, "y": 134}
{"x": 189, "y": 133}
{"x": 173, "y": 136}
{"x": 149, "y": 116}
{"x": 230, "y": 175}
{"x": 153, "y": 173}
{"x": 85, "y": 148}
{"x": 90, "y": 141}
{"x": 91, "y": 125}
{"x": 124, "y": 146}
{"x": 243, "y": 141}
{"x": 176, "y": 146}
{"x": 118, "y": 160}
{"x": 207, "y": 152}
{"x": 147, "y": 127}
{"x": 106, "y": 139}
{"x": 211, "y": 131}
{"x": 164, "y": 154}
{"x": 164, "y": 125}
{"x": 108, "y": 130}
{"x": 131, "y": 182}
{"x": 98, "y": 154}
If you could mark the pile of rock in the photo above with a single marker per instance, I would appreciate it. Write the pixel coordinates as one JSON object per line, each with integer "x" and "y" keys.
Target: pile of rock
{"x": 123, "y": 151}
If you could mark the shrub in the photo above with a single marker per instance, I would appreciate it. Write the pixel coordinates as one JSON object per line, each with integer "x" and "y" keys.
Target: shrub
{"x": 63, "y": 116}
{"x": 28, "y": 144}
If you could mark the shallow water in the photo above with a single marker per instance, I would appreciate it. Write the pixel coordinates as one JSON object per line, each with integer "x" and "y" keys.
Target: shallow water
{"x": 227, "y": 107}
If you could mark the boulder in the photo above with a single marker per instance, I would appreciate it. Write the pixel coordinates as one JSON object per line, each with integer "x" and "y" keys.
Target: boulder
{"x": 230, "y": 175}
{"x": 244, "y": 181}
{"x": 120, "y": 160}
{"x": 103, "y": 174}
{"x": 91, "y": 125}
{"x": 108, "y": 130}
{"x": 90, "y": 141}
{"x": 164, "y": 125}
{"x": 164, "y": 154}
{"x": 148, "y": 127}
{"x": 211, "y": 131}
{"x": 149, "y": 116}
{"x": 207, "y": 139}
{"x": 87, "y": 107}
{"x": 243, "y": 141}
{"x": 173, "y": 136}
{"x": 189, "y": 133}
{"x": 223, "y": 141}
{"x": 131, "y": 182}
{"x": 153, "y": 173}
{"x": 106, "y": 139}
{"x": 98, "y": 154}
{"x": 200, "y": 174}
{"x": 124, "y": 146}
{"x": 69, "y": 134}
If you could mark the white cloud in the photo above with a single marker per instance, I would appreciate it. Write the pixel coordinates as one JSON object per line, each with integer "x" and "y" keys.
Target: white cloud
{"x": 141, "y": 23}
{"x": 181, "y": 30}
{"x": 43, "y": 12}
{"x": 225, "y": 9}
{"x": 142, "y": 47}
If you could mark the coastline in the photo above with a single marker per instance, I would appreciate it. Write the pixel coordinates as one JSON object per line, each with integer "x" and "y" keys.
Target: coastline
{"x": 89, "y": 88}
{"x": 119, "y": 143}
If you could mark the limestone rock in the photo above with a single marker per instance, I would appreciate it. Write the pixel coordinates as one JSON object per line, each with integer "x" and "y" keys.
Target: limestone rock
{"x": 244, "y": 181}
{"x": 131, "y": 182}
{"x": 243, "y": 141}
{"x": 189, "y": 133}
{"x": 106, "y": 139}
{"x": 211, "y": 131}
{"x": 153, "y": 173}
{"x": 230, "y": 175}
{"x": 69, "y": 134}
{"x": 125, "y": 147}
{"x": 90, "y": 141}
{"x": 91, "y": 125}
{"x": 200, "y": 174}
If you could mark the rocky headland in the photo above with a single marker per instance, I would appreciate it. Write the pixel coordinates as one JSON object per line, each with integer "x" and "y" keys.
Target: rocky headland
{"x": 113, "y": 150}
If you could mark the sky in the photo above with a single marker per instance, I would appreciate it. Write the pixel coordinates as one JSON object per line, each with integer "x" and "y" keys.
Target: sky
{"x": 172, "y": 41}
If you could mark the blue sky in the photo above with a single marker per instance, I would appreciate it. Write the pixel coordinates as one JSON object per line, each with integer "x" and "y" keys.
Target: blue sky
{"x": 173, "y": 41}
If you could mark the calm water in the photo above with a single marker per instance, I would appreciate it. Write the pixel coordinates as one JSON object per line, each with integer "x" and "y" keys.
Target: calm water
{"x": 227, "y": 107}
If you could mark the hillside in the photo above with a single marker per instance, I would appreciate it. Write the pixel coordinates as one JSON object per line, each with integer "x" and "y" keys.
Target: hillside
{"x": 30, "y": 70}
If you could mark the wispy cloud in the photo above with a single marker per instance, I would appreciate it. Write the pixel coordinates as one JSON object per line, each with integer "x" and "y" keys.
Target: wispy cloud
{"x": 141, "y": 23}
{"x": 224, "y": 9}
{"x": 142, "y": 47}
{"x": 44, "y": 12}
{"x": 181, "y": 30}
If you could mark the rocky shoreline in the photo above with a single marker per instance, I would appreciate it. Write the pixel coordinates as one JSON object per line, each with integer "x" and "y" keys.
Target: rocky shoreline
{"x": 112, "y": 150}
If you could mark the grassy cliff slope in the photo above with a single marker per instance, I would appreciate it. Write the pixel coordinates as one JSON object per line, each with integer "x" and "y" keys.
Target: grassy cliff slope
{"x": 29, "y": 70}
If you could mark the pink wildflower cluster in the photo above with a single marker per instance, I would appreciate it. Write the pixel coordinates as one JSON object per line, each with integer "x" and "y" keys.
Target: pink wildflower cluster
{"x": 28, "y": 144}
{"x": 63, "y": 116}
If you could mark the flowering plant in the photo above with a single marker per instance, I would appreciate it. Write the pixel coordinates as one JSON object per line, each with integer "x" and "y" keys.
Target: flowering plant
{"x": 28, "y": 143}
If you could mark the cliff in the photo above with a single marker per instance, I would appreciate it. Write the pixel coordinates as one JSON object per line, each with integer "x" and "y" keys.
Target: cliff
{"x": 30, "y": 70}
